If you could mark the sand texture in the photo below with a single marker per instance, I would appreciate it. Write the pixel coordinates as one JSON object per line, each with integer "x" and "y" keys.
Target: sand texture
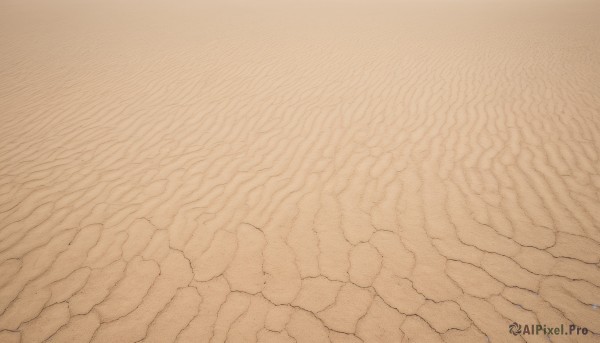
{"x": 298, "y": 171}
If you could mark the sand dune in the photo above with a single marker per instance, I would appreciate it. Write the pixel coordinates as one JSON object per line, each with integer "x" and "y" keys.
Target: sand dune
{"x": 298, "y": 171}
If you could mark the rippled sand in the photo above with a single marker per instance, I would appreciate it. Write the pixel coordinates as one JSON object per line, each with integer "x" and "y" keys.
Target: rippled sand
{"x": 298, "y": 171}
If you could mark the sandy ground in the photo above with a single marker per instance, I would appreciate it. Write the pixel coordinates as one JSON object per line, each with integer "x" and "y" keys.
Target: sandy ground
{"x": 298, "y": 171}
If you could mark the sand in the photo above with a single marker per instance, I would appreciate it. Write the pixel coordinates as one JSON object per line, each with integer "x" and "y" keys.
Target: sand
{"x": 298, "y": 171}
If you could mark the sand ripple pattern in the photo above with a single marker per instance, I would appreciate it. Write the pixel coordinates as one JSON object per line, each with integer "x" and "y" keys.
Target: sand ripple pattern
{"x": 358, "y": 171}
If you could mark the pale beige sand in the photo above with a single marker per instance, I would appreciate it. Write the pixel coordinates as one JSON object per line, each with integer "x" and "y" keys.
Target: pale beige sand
{"x": 298, "y": 171}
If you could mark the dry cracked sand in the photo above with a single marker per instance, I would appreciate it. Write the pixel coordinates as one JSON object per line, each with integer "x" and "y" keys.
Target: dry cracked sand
{"x": 299, "y": 171}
